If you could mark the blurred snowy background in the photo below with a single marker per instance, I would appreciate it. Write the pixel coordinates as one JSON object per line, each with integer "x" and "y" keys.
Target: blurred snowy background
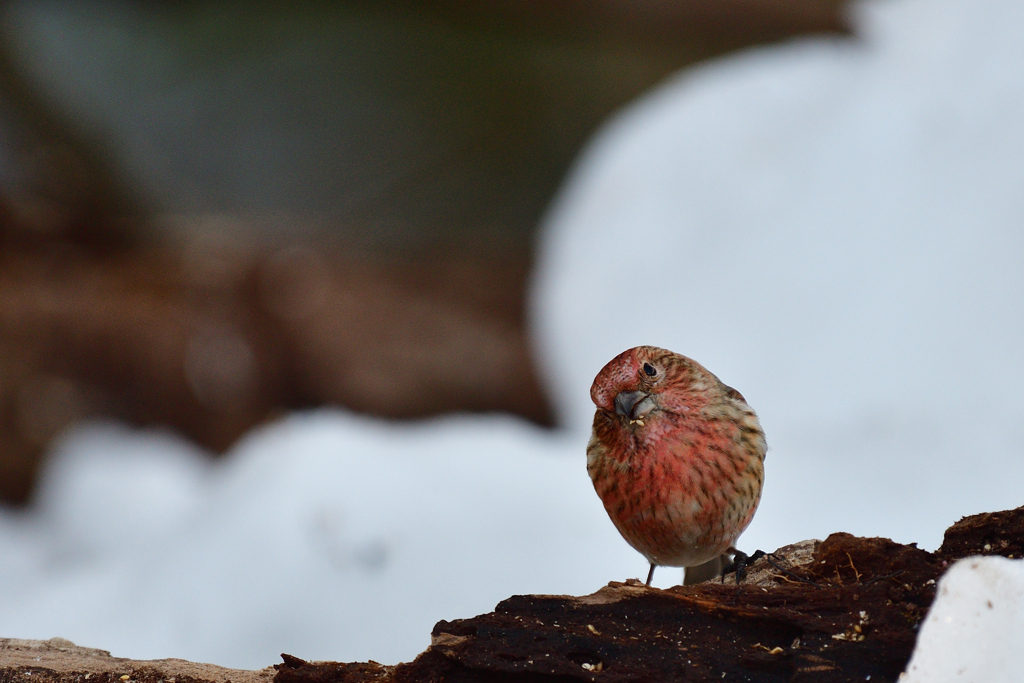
{"x": 832, "y": 225}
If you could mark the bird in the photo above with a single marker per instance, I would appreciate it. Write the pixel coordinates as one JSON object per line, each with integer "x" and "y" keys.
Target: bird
{"x": 677, "y": 458}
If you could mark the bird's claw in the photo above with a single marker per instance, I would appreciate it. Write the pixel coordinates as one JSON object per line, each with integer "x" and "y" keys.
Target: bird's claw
{"x": 740, "y": 562}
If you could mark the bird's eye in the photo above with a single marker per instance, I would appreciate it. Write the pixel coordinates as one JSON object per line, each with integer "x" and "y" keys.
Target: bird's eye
{"x": 650, "y": 370}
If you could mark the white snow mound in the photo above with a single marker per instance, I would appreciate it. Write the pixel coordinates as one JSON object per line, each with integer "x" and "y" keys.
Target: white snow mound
{"x": 975, "y": 627}
{"x": 325, "y": 535}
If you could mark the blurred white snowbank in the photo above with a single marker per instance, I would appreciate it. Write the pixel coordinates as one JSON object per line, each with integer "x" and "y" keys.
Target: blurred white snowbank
{"x": 326, "y": 535}
{"x": 975, "y": 627}
{"x": 109, "y": 489}
{"x": 833, "y": 227}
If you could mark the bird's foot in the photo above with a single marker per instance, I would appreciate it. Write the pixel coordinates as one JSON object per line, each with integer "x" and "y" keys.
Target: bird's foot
{"x": 740, "y": 562}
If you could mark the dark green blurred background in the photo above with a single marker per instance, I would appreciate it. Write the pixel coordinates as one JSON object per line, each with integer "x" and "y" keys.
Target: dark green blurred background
{"x": 382, "y": 124}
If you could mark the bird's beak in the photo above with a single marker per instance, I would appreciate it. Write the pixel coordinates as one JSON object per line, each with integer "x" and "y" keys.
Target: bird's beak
{"x": 633, "y": 404}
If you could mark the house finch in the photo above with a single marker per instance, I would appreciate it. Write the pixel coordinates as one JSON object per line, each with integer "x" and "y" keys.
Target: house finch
{"x": 677, "y": 458}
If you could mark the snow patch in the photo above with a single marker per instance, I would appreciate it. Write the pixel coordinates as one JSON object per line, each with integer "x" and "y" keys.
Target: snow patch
{"x": 326, "y": 535}
{"x": 975, "y": 627}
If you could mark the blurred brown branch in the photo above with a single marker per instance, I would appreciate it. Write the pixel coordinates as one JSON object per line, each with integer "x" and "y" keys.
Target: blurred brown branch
{"x": 215, "y": 340}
